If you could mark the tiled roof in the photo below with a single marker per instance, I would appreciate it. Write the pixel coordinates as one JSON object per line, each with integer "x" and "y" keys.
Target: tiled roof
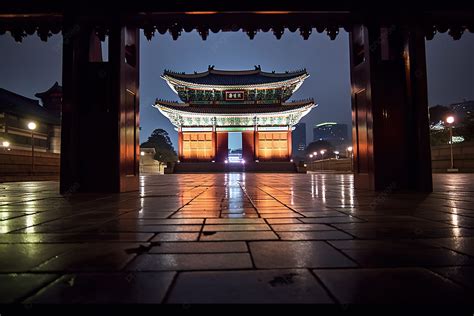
{"x": 56, "y": 88}
{"x": 234, "y": 108}
{"x": 21, "y": 106}
{"x": 234, "y": 78}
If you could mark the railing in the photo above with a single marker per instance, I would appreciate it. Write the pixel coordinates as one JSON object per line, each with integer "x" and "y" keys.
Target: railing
{"x": 332, "y": 164}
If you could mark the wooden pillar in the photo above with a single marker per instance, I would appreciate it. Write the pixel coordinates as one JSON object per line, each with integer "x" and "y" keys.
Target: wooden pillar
{"x": 180, "y": 144}
{"x": 222, "y": 146}
{"x": 257, "y": 154}
{"x": 248, "y": 145}
{"x": 214, "y": 144}
{"x": 99, "y": 133}
{"x": 255, "y": 143}
{"x": 289, "y": 143}
{"x": 390, "y": 109}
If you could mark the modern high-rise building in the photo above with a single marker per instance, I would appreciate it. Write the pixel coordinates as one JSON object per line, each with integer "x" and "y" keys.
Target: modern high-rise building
{"x": 298, "y": 141}
{"x": 332, "y": 132}
{"x": 462, "y": 109}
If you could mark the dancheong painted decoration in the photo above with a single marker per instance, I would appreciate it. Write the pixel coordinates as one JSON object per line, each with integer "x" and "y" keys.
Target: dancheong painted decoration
{"x": 216, "y": 102}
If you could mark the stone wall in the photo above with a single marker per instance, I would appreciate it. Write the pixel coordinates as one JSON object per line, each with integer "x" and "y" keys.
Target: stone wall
{"x": 15, "y": 165}
{"x": 342, "y": 165}
{"x": 463, "y": 154}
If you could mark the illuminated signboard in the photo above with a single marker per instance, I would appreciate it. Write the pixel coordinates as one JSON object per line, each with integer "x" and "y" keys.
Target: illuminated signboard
{"x": 234, "y": 95}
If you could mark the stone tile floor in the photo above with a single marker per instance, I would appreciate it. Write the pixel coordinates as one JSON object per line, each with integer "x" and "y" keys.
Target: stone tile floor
{"x": 238, "y": 238}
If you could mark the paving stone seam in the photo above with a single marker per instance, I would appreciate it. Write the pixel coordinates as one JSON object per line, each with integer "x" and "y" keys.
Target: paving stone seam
{"x": 342, "y": 252}
{"x": 465, "y": 287}
{"x": 295, "y": 211}
{"x": 326, "y": 289}
{"x": 38, "y": 289}
{"x": 250, "y": 200}
{"x": 175, "y": 212}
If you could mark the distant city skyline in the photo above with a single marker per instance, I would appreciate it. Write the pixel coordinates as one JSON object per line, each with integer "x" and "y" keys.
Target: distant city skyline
{"x": 34, "y": 66}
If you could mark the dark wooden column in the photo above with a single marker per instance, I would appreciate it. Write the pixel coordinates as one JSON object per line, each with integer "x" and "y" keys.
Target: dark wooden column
{"x": 390, "y": 109}
{"x": 99, "y": 141}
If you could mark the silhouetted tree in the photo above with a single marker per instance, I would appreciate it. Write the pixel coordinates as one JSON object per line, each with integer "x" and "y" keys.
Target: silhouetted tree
{"x": 319, "y": 145}
{"x": 438, "y": 113}
{"x": 160, "y": 140}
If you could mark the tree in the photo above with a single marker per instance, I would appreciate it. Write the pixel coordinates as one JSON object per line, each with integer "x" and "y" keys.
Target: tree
{"x": 160, "y": 140}
{"x": 319, "y": 145}
{"x": 438, "y": 113}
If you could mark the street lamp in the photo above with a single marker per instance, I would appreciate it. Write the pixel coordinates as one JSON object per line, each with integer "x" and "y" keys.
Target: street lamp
{"x": 322, "y": 153}
{"x": 450, "y": 121}
{"x": 350, "y": 150}
{"x": 6, "y": 145}
{"x": 337, "y": 154}
{"x": 32, "y": 127}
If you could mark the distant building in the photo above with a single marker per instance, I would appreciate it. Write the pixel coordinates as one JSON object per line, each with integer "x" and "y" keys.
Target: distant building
{"x": 298, "y": 140}
{"x": 148, "y": 164}
{"x": 218, "y": 102}
{"x": 16, "y": 111}
{"x": 462, "y": 109}
{"x": 332, "y": 132}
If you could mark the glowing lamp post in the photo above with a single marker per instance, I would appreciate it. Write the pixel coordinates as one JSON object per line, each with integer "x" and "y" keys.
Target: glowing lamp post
{"x": 32, "y": 127}
{"x": 450, "y": 121}
{"x": 350, "y": 152}
{"x": 337, "y": 154}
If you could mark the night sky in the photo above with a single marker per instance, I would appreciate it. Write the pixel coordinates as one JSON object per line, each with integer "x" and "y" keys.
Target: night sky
{"x": 34, "y": 66}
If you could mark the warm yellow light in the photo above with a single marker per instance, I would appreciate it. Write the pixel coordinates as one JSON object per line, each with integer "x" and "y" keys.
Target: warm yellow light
{"x": 315, "y": 153}
{"x": 349, "y": 148}
{"x": 322, "y": 152}
{"x": 200, "y": 12}
{"x": 142, "y": 153}
{"x": 32, "y": 126}
{"x": 272, "y": 12}
{"x": 450, "y": 119}
{"x": 6, "y": 144}
{"x": 336, "y": 152}
{"x": 310, "y": 156}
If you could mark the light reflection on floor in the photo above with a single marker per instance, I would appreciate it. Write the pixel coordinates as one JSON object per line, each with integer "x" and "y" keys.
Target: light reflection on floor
{"x": 178, "y": 231}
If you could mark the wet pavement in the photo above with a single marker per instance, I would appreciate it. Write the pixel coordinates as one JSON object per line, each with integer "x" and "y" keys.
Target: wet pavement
{"x": 238, "y": 238}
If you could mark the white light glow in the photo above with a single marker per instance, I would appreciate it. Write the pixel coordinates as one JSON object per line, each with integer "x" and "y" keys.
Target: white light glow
{"x": 32, "y": 126}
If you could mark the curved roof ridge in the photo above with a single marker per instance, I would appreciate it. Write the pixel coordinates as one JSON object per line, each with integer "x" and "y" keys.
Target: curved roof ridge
{"x": 172, "y": 103}
{"x": 297, "y": 102}
{"x": 256, "y": 71}
{"x": 284, "y": 74}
